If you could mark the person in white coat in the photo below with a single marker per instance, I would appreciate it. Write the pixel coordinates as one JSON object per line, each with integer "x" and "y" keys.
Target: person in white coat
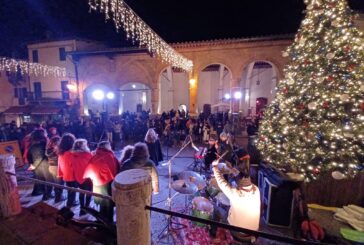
{"x": 244, "y": 200}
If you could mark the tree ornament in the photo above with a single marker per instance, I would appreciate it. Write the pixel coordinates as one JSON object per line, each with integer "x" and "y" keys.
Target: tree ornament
{"x": 330, "y": 56}
{"x": 348, "y": 135}
{"x": 301, "y": 106}
{"x": 312, "y": 105}
{"x": 361, "y": 106}
{"x": 344, "y": 98}
{"x": 319, "y": 151}
{"x": 338, "y": 175}
{"x": 285, "y": 90}
{"x": 320, "y": 79}
{"x": 285, "y": 146}
{"x": 325, "y": 104}
{"x": 290, "y": 81}
{"x": 283, "y": 121}
{"x": 362, "y": 88}
{"x": 330, "y": 78}
{"x": 285, "y": 54}
{"x": 335, "y": 23}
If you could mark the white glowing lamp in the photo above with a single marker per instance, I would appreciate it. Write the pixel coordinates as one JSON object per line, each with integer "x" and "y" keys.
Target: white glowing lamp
{"x": 237, "y": 95}
{"x": 110, "y": 95}
{"x": 227, "y": 96}
{"x": 98, "y": 94}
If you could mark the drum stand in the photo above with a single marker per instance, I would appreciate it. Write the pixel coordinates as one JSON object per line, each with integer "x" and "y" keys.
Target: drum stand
{"x": 168, "y": 230}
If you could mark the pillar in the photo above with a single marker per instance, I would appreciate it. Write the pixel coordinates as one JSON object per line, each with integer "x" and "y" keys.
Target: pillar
{"x": 193, "y": 82}
{"x": 9, "y": 196}
{"x": 131, "y": 191}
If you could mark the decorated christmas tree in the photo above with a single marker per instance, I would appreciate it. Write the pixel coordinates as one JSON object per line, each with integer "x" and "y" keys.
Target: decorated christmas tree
{"x": 316, "y": 122}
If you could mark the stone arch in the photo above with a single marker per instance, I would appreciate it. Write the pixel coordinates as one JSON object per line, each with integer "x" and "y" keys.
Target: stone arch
{"x": 214, "y": 80}
{"x": 265, "y": 90}
{"x": 173, "y": 89}
{"x": 133, "y": 94}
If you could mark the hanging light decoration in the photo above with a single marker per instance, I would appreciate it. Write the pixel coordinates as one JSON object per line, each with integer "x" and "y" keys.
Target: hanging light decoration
{"x": 138, "y": 31}
{"x": 25, "y": 67}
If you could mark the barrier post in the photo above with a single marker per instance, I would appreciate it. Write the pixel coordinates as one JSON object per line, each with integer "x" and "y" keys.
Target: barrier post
{"x": 131, "y": 192}
{"x": 9, "y": 195}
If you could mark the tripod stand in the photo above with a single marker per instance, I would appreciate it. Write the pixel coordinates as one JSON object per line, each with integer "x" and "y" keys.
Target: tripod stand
{"x": 167, "y": 231}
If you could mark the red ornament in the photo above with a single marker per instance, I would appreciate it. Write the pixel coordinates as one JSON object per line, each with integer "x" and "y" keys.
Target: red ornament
{"x": 307, "y": 62}
{"x": 305, "y": 124}
{"x": 285, "y": 90}
{"x": 347, "y": 49}
{"x": 361, "y": 106}
{"x": 330, "y": 78}
{"x": 325, "y": 104}
{"x": 263, "y": 138}
{"x": 351, "y": 67}
{"x": 316, "y": 171}
{"x": 301, "y": 106}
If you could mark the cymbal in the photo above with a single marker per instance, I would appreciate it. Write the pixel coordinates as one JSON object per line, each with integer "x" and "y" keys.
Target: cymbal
{"x": 193, "y": 177}
{"x": 184, "y": 187}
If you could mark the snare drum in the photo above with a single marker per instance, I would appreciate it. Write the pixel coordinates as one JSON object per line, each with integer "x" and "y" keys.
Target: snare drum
{"x": 202, "y": 208}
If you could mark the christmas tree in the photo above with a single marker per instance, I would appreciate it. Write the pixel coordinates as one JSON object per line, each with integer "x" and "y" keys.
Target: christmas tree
{"x": 316, "y": 122}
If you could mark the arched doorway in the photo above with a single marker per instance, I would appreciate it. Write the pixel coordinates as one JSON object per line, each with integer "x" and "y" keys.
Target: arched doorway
{"x": 214, "y": 84}
{"x": 258, "y": 83}
{"x": 100, "y": 98}
{"x": 135, "y": 97}
{"x": 173, "y": 89}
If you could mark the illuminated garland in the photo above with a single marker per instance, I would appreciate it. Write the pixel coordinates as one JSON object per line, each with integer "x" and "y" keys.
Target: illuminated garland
{"x": 137, "y": 30}
{"x": 25, "y": 67}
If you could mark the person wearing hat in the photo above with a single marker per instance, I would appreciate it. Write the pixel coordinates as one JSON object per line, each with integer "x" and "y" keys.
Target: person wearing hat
{"x": 242, "y": 160}
{"x": 244, "y": 199}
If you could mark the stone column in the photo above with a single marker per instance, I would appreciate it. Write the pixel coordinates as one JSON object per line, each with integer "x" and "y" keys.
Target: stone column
{"x": 9, "y": 196}
{"x": 193, "y": 83}
{"x": 131, "y": 191}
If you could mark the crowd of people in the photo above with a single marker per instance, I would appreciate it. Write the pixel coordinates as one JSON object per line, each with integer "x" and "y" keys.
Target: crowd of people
{"x": 80, "y": 154}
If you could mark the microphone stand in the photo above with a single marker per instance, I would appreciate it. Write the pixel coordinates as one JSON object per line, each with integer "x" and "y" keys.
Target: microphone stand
{"x": 169, "y": 228}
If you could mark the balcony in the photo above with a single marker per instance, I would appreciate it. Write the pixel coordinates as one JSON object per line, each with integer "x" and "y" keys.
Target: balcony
{"x": 48, "y": 96}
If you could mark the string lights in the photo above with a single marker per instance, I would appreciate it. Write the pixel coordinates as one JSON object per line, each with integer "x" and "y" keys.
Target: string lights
{"x": 316, "y": 122}
{"x": 137, "y": 30}
{"x": 25, "y": 67}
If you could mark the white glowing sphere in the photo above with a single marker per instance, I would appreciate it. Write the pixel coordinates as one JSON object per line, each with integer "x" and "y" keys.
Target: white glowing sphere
{"x": 238, "y": 95}
{"x": 227, "y": 96}
{"x": 98, "y": 94}
{"x": 110, "y": 95}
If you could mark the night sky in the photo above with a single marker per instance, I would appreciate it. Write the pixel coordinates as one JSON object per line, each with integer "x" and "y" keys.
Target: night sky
{"x": 24, "y": 21}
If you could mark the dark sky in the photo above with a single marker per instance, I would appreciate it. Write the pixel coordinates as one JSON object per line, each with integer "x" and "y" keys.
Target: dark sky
{"x": 24, "y": 21}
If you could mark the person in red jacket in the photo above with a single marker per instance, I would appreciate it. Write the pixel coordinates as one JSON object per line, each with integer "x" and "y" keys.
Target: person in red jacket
{"x": 80, "y": 157}
{"x": 65, "y": 170}
{"x": 102, "y": 169}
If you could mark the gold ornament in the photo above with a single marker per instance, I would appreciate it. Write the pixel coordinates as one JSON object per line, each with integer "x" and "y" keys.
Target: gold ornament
{"x": 312, "y": 105}
{"x": 285, "y": 54}
{"x": 330, "y": 56}
{"x": 344, "y": 97}
{"x": 362, "y": 88}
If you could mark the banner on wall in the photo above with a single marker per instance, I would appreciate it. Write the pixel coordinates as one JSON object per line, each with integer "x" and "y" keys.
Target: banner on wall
{"x": 12, "y": 147}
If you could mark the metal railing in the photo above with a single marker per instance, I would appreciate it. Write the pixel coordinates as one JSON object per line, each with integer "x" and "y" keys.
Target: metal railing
{"x": 257, "y": 234}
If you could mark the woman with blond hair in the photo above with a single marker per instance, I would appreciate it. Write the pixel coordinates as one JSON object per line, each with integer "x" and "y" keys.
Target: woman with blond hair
{"x": 80, "y": 158}
{"x": 154, "y": 146}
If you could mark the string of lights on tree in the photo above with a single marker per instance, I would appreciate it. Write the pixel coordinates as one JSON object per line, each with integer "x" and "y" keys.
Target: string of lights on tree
{"x": 25, "y": 67}
{"x": 315, "y": 125}
{"x": 138, "y": 31}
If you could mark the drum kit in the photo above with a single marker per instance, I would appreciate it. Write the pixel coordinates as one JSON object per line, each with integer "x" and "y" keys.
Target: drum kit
{"x": 205, "y": 194}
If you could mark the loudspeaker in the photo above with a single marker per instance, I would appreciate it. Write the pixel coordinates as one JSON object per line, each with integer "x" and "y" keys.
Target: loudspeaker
{"x": 207, "y": 110}
{"x": 277, "y": 198}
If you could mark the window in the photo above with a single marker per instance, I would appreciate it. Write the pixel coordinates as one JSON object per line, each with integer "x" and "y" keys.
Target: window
{"x": 35, "y": 57}
{"x": 62, "y": 54}
{"x": 37, "y": 90}
{"x": 65, "y": 90}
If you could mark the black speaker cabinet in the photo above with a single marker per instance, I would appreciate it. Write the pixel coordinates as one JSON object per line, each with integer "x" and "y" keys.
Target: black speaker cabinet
{"x": 277, "y": 198}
